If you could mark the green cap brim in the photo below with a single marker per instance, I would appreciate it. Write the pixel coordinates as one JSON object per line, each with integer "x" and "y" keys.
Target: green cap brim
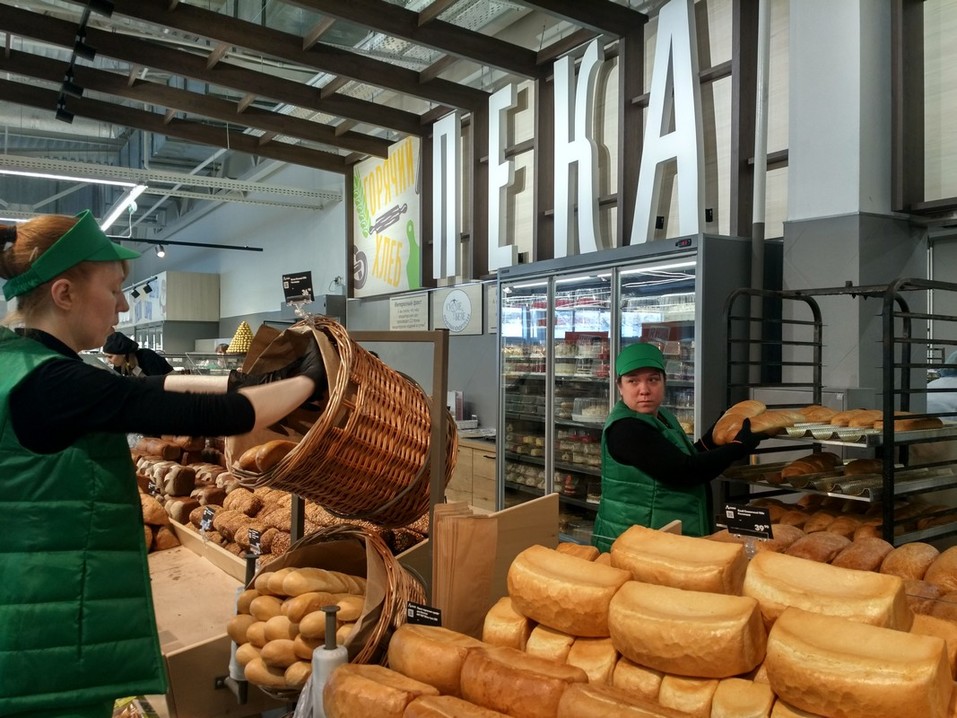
{"x": 85, "y": 242}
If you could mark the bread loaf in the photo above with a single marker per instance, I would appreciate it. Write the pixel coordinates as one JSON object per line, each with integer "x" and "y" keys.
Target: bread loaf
{"x": 843, "y": 418}
{"x": 447, "y": 707}
{"x": 509, "y": 681}
{"x": 865, "y": 418}
{"x": 818, "y": 521}
{"x": 782, "y": 710}
{"x": 782, "y": 536}
{"x": 358, "y": 690}
{"x": 817, "y": 414}
{"x": 728, "y": 426}
{"x": 836, "y": 667}
{"x": 687, "y": 633}
{"x": 279, "y": 653}
{"x": 504, "y": 626}
{"x": 741, "y": 698}
{"x": 943, "y": 571}
{"x": 865, "y": 554}
{"x": 258, "y": 673}
{"x": 548, "y": 643}
{"x": 563, "y": 592}
{"x": 857, "y": 467}
{"x": 921, "y": 595}
{"x": 910, "y": 560}
{"x": 596, "y": 656}
{"x": 778, "y": 581}
{"x": 431, "y": 654}
{"x": 680, "y": 561}
{"x": 689, "y": 696}
{"x": 945, "y": 606}
{"x": 640, "y": 680}
{"x": 297, "y": 674}
{"x": 796, "y": 518}
{"x": 927, "y": 422}
{"x": 589, "y": 553}
{"x": 584, "y": 699}
{"x": 272, "y": 452}
{"x": 819, "y": 546}
{"x": 811, "y": 464}
{"x": 942, "y": 628}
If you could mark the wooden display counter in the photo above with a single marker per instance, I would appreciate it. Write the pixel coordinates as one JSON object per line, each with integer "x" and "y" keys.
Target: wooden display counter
{"x": 473, "y": 480}
{"x": 193, "y": 602}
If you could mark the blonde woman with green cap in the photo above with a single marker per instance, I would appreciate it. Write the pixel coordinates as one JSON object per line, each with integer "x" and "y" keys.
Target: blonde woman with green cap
{"x": 651, "y": 472}
{"x": 78, "y": 628}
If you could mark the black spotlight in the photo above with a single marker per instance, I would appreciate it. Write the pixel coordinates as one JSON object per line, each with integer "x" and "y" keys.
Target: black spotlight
{"x": 81, "y": 49}
{"x": 135, "y": 293}
{"x": 147, "y": 288}
{"x": 63, "y": 114}
{"x": 69, "y": 87}
{"x": 103, "y": 7}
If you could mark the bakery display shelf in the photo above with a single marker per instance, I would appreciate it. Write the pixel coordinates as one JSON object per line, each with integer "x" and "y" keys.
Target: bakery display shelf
{"x": 588, "y": 378}
{"x": 524, "y": 416}
{"x": 587, "y": 421}
{"x": 863, "y": 436}
{"x": 578, "y": 468}
{"x": 580, "y": 503}
{"x": 578, "y": 424}
{"x": 524, "y": 458}
{"x": 524, "y": 488}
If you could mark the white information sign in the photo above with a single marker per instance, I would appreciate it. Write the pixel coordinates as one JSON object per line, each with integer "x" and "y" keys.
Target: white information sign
{"x": 409, "y": 312}
{"x": 458, "y": 309}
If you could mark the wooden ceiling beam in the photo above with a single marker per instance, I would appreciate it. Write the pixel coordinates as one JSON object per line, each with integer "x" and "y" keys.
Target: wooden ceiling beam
{"x": 153, "y": 93}
{"x": 225, "y": 138}
{"x": 601, "y": 16}
{"x": 316, "y": 32}
{"x": 434, "y": 10}
{"x": 445, "y": 37}
{"x": 154, "y": 55}
{"x": 326, "y": 58}
{"x": 217, "y": 54}
{"x": 568, "y": 43}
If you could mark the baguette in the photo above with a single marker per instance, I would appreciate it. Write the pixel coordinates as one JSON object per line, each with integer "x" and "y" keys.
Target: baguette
{"x": 817, "y": 414}
{"x": 927, "y": 422}
{"x": 679, "y": 561}
{"x": 843, "y": 418}
{"x": 687, "y": 633}
{"x": 836, "y": 667}
{"x": 865, "y": 419}
{"x": 856, "y": 467}
{"x": 563, "y": 592}
{"x": 728, "y": 426}
{"x": 811, "y": 464}
{"x": 777, "y": 581}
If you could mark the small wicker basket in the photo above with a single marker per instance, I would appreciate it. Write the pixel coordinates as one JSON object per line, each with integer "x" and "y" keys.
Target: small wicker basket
{"x": 367, "y": 455}
{"x": 389, "y": 587}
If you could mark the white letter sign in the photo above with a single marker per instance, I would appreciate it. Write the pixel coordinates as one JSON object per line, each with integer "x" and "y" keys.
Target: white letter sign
{"x": 446, "y": 202}
{"x": 675, "y": 49}
{"x": 501, "y": 175}
{"x": 574, "y": 147}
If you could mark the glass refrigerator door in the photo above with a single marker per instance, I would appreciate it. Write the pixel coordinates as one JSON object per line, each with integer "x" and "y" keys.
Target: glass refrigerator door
{"x": 658, "y": 306}
{"x": 523, "y": 321}
{"x": 582, "y": 323}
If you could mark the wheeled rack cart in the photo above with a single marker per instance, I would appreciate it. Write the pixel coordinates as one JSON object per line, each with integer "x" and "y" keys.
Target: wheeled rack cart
{"x": 786, "y": 353}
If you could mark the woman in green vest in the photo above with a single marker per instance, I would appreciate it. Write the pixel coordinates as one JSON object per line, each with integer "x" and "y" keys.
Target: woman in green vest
{"x": 651, "y": 473}
{"x": 77, "y": 628}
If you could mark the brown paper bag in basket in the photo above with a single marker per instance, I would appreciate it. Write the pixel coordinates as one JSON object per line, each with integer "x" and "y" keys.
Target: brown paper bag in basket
{"x": 352, "y": 557}
{"x": 271, "y": 350}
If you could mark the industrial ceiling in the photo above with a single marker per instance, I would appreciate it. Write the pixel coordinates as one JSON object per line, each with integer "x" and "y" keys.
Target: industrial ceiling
{"x": 197, "y": 99}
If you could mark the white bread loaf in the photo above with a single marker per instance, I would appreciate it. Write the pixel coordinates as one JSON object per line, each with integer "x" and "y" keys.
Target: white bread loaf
{"x": 783, "y": 710}
{"x": 596, "y": 656}
{"x": 687, "y": 633}
{"x": 504, "y": 626}
{"x": 942, "y": 628}
{"x": 357, "y": 690}
{"x": 447, "y": 707}
{"x": 642, "y": 681}
{"x": 690, "y": 696}
{"x": 431, "y": 654}
{"x": 778, "y": 581}
{"x": 583, "y": 699}
{"x": 668, "y": 559}
{"x": 512, "y": 682}
{"x": 548, "y": 643}
{"x": 741, "y": 698}
{"x": 563, "y": 592}
{"x": 837, "y": 667}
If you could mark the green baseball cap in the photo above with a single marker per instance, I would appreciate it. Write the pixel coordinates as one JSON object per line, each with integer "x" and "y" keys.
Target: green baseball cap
{"x": 639, "y": 356}
{"x": 84, "y": 242}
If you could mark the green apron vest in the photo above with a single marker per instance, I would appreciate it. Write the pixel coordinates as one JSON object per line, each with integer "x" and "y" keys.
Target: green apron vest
{"x": 77, "y": 625}
{"x": 629, "y": 496}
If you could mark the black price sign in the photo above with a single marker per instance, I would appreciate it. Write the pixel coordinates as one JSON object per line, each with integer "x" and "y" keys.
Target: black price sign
{"x": 748, "y": 521}
{"x": 254, "y": 547}
{"x": 152, "y": 488}
{"x": 297, "y": 287}
{"x": 422, "y": 615}
{"x": 206, "y": 522}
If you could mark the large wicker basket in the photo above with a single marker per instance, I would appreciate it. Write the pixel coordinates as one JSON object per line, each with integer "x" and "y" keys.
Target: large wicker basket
{"x": 389, "y": 586}
{"x": 367, "y": 455}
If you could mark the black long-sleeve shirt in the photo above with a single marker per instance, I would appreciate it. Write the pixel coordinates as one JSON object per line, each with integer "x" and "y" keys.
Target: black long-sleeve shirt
{"x": 60, "y": 401}
{"x": 636, "y": 443}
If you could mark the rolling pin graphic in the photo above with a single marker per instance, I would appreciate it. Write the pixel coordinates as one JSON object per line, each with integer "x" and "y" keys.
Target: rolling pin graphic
{"x": 388, "y": 218}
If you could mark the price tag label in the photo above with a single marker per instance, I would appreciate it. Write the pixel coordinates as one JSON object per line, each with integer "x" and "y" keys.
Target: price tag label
{"x": 422, "y": 615}
{"x": 206, "y": 522}
{"x": 254, "y": 547}
{"x": 298, "y": 287}
{"x": 152, "y": 488}
{"x": 748, "y": 521}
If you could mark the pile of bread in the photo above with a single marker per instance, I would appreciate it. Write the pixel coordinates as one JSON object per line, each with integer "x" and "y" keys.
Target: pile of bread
{"x": 280, "y": 621}
{"x": 774, "y": 421}
{"x": 668, "y": 626}
{"x": 185, "y": 493}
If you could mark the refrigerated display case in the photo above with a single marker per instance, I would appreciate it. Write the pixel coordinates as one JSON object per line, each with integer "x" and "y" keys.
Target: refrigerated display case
{"x": 561, "y": 324}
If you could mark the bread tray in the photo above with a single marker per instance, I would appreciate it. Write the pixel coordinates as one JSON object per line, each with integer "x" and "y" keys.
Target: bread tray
{"x": 864, "y": 436}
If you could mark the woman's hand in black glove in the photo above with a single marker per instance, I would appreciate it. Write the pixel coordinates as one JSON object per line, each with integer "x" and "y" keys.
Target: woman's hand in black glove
{"x": 706, "y": 440}
{"x": 747, "y": 438}
{"x": 313, "y": 368}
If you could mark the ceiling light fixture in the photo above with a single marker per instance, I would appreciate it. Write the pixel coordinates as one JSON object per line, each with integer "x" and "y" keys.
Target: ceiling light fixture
{"x": 63, "y": 114}
{"x": 70, "y": 87}
{"x": 135, "y": 293}
{"x": 81, "y": 49}
{"x": 126, "y": 201}
{"x": 160, "y": 251}
{"x": 103, "y": 7}
{"x": 147, "y": 289}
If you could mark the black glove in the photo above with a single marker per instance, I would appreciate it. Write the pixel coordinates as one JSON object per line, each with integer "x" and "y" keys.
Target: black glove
{"x": 238, "y": 380}
{"x": 747, "y": 438}
{"x": 313, "y": 368}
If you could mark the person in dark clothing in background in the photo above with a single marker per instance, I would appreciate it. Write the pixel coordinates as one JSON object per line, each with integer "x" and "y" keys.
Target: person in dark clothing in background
{"x": 130, "y": 359}
{"x": 651, "y": 473}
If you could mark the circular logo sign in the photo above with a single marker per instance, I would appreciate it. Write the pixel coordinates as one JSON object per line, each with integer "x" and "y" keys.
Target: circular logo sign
{"x": 457, "y": 310}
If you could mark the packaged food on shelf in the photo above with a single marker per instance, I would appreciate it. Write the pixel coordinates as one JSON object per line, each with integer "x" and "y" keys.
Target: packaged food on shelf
{"x": 590, "y": 410}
